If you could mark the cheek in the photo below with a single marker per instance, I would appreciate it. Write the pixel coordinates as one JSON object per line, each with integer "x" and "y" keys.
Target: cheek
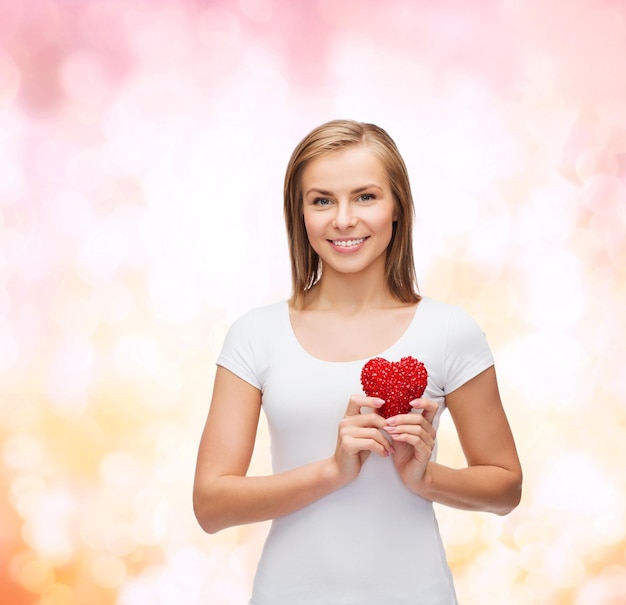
{"x": 311, "y": 225}
{"x": 312, "y": 231}
{"x": 387, "y": 218}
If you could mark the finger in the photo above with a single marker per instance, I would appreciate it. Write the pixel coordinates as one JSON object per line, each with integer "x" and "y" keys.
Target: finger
{"x": 420, "y": 441}
{"x": 410, "y": 418}
{"x": 356, "y": 426}
{"x": 419, "y": 428}
{"x": 371, "y": 420}
{"x": 358, "y": 446}
{"x": 354, "y": 439}
{"x": 428, "y": 406}
{"x": 410, "y": 432}
{"x": 357, "y": 402}
{"x": 403, "y": 422}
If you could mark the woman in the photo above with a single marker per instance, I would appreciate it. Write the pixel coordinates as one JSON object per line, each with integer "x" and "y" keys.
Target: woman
{"x": 351, "y": 492}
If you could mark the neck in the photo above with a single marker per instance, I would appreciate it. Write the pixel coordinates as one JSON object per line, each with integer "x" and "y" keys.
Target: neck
{"x": 350, "y": 292}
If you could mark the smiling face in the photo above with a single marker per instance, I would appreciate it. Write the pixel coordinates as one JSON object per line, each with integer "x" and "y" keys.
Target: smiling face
{"x": 331, "y": 138}
{"x": 348, "y": 210}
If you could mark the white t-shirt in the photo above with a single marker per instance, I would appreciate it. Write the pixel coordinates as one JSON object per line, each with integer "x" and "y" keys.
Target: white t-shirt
{"x": 372, "y": 542}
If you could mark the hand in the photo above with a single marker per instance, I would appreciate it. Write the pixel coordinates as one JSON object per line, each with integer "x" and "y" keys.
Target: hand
{"x": 359, "y": 435}
{"x": 414, "y": 438}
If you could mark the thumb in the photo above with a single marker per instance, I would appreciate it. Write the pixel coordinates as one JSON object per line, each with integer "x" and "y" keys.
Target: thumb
{"x": 361, "y": 401}
{"x": 429, "y": 408}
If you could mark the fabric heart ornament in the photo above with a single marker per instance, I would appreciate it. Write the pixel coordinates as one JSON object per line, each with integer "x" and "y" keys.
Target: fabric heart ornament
{"x": 397, "y": 382}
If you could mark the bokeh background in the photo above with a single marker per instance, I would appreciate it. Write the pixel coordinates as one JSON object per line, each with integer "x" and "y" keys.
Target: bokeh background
{"x": 142, "y": 149}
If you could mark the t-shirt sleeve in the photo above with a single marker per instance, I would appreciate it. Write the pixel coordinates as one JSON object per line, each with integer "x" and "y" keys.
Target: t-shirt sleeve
{"x": 467, "y": 351}
{"x": 239, "y": 351}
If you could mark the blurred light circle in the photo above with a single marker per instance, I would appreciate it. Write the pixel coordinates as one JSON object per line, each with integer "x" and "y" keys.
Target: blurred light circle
{"x": 48, "y": 530}
{"x": 120, "y": 469}
{"x": 36, "y": 576}
{"x": 84, "y": 81}
{"x": 57, "y": 594}
{"x": 9, "y": 78}
{"x": 9, "y": 347}
{"x": 219, "y": 37}
{"x": 23, "y": 451}
{"x": 27, "y": 492}
{"x": 11, "y": 17}
{"x": 108, "y": 571}
{"x": 606, "y": 588}
{"x": 119, "y": 539}
{"x": 591, "y": 162}
{"x": 113, "y": 301}
{"x": 257, "y": 10}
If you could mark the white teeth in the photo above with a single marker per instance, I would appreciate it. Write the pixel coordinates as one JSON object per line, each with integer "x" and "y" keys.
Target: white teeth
{"x": 349, "y": 242}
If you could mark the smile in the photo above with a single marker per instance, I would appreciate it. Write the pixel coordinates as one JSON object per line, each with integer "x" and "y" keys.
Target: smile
{"x": 346, "y": 243}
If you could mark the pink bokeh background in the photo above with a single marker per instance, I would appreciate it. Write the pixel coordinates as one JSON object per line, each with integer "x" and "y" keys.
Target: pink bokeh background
{"x": 142, "y": 150}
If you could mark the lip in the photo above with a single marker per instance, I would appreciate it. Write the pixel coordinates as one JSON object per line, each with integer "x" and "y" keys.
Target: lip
{"x": 345, "y": 245}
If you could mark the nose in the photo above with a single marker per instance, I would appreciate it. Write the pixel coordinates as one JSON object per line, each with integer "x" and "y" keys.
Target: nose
{"x": 344, "y": 216}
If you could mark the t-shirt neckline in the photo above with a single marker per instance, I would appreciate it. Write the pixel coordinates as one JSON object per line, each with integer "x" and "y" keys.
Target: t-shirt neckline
{"x": 384, "y": 353}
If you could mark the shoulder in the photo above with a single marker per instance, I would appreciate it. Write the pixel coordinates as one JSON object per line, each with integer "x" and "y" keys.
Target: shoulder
{"x": 246, "y": 348}
{"x": 451, "y": 320}
{"x": 459, "y": 342}
{"x": 267, "y": 316}
{"x": 445, "y": 314}
{"x": 258, "y": 327}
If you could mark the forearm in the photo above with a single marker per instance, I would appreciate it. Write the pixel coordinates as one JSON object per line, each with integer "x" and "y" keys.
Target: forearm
{"x": 231, "y": 500}
{"x": 481, "y": 488}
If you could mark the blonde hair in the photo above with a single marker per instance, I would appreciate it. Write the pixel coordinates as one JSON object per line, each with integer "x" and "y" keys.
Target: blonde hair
{"x": 327, "y": 138}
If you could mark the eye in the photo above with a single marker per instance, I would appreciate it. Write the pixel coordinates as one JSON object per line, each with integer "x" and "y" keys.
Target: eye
{"x": 367, "y": 197}
{"x": 321, "y": 201}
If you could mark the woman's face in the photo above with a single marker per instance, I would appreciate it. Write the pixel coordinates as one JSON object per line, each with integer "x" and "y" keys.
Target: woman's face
{"x": 348, "y": 209}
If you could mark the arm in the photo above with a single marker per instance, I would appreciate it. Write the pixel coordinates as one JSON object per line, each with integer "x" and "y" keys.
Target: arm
{"x": 492, "y": 480}
{"x": 223, "y": 496}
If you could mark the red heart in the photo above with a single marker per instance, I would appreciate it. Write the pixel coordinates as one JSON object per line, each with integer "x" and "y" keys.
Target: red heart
{"x": 397, "y": 382}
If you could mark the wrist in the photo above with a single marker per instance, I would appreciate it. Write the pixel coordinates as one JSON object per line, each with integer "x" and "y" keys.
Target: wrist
{"x": 424, "y": 485}
{"x": 331, "y": 476}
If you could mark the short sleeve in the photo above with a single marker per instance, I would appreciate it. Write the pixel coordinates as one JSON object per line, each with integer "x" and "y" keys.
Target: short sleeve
{"x": 467, "y": 351}
{"x": 239, "y": 351}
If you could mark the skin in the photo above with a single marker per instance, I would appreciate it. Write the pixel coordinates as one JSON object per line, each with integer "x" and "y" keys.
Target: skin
{"x": 351, "y": 313}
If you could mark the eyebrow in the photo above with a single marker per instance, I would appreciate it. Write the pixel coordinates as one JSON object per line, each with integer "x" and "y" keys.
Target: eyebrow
{"x": 354, "y": 191}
